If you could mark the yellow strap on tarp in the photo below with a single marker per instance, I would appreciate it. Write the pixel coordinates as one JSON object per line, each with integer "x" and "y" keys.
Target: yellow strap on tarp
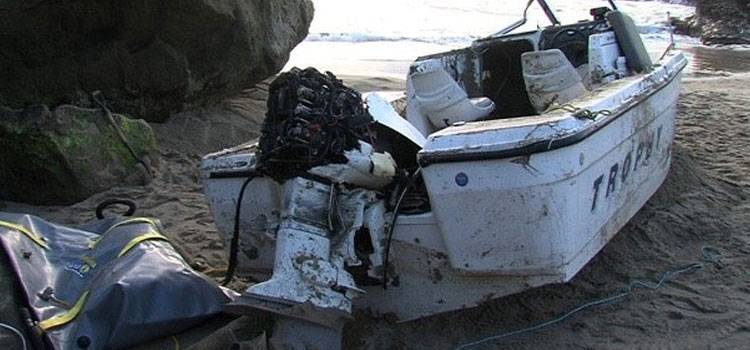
{"x": 38, "y": 240}
{"x": 131, "y": 221}
{"x": 135, "y": 241}
{"x": 71, "y": 314}
{"x": 65, "y": 317}
{"x": 94, "y": 242}
{"x": 89, "y": 261}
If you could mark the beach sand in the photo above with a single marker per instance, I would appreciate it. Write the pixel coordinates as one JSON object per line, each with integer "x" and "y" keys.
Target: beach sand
{"x": 705, "y": 201}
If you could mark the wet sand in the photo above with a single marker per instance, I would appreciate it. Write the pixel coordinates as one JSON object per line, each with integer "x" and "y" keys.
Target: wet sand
{"x": 705, "y": 201}
{"x": 710, "y": 61}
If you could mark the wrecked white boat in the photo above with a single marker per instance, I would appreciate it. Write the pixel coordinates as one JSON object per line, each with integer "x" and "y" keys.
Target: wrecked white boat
{"x": 520, "y": 157}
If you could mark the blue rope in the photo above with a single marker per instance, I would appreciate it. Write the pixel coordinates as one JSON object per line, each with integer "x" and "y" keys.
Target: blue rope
{"x": 710, "y": 257}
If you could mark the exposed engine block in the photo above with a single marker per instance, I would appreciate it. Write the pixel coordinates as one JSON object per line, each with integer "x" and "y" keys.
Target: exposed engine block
{"x": 317, "y": 145}
{"x": 312, "y": 119}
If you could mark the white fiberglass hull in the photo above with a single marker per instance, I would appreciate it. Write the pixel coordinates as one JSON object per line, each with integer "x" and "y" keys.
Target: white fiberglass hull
{"x": 515, "y": 203}
{"x": 504, "y": 220}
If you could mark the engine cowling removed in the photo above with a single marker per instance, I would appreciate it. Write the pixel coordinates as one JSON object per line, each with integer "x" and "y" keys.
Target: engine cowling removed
{"x": 312, "y": 119}
{"x": 317, "y": 144}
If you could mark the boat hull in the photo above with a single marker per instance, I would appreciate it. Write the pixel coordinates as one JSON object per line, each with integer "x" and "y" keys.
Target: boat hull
{"x": 506, "y": 221}
{"x": 516, "y": 203}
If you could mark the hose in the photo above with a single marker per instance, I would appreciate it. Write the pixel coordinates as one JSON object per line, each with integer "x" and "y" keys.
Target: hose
{"x": 16, "y": 331}
{"x": 112, "y": 201}
{"x": 409, "y": 185}
{"x": 235, "y": 242}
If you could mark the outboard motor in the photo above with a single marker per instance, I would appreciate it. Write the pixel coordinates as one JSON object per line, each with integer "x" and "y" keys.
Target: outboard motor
{"x": 317, "y": 144}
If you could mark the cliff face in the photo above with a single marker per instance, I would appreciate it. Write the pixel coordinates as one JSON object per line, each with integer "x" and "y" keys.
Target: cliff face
{"x": 150, "y": 58}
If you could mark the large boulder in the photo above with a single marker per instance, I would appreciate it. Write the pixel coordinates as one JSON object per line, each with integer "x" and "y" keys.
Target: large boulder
{"x": 722, "y": 22}
{"x": 66, "y": 155}
{"x": 150, "y": 58}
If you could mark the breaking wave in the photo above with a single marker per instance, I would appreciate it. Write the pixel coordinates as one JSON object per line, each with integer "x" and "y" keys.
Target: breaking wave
{"x": 459, "y": 23}
{"x": 365, "y": 37}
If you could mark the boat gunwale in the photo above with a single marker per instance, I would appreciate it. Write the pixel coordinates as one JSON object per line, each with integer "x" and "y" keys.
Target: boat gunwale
{"x": 425, "y": 159}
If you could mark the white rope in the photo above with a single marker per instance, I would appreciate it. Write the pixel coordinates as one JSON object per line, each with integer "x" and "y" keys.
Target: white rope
{"x": 14, "y": 330}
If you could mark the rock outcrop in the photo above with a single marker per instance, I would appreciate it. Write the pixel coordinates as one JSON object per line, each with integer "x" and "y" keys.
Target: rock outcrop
{"x": 150, "y": 58}
{"x": 724, "y": 21}
{"x": 721, "y": 22}
{"x": 66, "y": 155}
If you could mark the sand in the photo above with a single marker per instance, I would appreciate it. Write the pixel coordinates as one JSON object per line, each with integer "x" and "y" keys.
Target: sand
{"x": 705, "y": 201}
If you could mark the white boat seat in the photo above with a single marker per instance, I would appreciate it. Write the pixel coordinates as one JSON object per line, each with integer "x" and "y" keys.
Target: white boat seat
{"x": 444, "y": 102}
{"x": 550, "y": 78}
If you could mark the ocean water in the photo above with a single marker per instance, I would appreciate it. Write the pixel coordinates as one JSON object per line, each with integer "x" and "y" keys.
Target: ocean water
{"x": 459, "y": 22}
{"x": 355, "y": 37}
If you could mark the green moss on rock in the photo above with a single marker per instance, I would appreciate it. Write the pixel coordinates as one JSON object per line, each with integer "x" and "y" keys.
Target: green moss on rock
{"x": 67, "y": 155}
